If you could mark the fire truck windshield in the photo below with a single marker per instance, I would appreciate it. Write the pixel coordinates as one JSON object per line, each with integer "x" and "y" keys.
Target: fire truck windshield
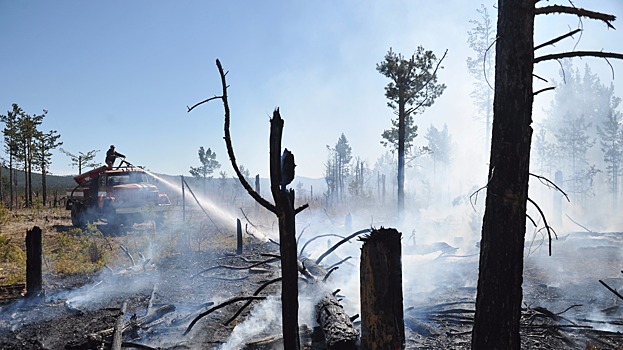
{"x": 126, "y": 178}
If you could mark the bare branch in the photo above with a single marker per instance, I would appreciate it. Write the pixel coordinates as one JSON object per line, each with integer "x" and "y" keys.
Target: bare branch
{"x": 549, "y": 183}
{"x": 317, "y": 237}
{"x": 580, "y": 12}
{"x": 543, "y": 90}
{"x": 540, "y": 78}
{"x": 611, "y": 68}
{"x": 340, "y": 243}
{"x": 202, "y": 102}
{"x": 301, "y": 208}
{"x": 340, "y": 262}
{"x": 577, "y": 223}
{"x": 266, "y": 284}
{"x": 611, "y": 289}
{"x": 547, "y": 227}
{"x": 225, "y": 303}
{"x": 326, "y": 277}
{"x": 267, "y": 261}
{"x": 532, "y": 220}
{"x": 555, "y": 40}
{"x": 557, "y": 56}
{"x": 478, "y": 190}
{"x": 484, "y": 60}
{"x": 230, "y": 150}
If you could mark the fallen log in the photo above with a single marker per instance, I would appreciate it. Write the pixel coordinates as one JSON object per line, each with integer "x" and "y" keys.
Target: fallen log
{"x": 338, "y": 329}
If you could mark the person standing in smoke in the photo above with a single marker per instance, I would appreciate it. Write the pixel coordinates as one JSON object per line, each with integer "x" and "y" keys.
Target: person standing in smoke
{"x": 112, "y": 155}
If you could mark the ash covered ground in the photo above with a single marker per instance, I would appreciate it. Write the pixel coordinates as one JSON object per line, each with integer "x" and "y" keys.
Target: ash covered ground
{"x": 565, "y": 305}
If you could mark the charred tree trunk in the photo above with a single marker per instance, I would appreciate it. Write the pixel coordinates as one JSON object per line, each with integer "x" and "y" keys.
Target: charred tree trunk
{"x": 382, "y": 317}
{"x": 284, "y": 204}
{"x": 498, "y": 303}
{"x": 34, "y": 276}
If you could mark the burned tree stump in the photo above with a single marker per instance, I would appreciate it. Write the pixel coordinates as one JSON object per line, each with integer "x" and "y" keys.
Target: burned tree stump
{"x": 382, "y": 317}
{"x": 34, "y": 277}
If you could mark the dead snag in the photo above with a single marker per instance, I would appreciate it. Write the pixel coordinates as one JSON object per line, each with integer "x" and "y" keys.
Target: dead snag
{"x": 382, "y": 318}
{"x": 34, "y": 277}
{"x": 281, "y": 175}
{"x": 337, "y": 327}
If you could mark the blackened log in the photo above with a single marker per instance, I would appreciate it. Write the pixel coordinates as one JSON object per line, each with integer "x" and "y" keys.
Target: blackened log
{"x": 34, "y": 276}
{"x": 382, "y": 317}
{"x": 119, "y": 325}
{"x": 337, "y": 327}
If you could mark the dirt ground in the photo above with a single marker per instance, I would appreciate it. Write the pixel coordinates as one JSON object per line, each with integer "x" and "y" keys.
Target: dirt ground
{"x": 177, "y": 285}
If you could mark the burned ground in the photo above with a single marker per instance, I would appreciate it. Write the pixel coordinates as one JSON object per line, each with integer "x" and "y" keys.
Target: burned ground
{"x": 565, "y": 306}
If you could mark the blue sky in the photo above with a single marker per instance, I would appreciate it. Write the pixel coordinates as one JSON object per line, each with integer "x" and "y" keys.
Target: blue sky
{"x": 123, "y": 72}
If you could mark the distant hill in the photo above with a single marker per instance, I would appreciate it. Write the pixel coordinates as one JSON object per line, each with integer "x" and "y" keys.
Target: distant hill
{"x": 53, "y": 182}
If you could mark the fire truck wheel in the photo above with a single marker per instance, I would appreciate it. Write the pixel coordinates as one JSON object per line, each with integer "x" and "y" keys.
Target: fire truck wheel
{"x": 78, "y": 218}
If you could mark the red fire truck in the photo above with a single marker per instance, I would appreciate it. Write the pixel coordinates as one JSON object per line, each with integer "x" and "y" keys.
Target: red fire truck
{"x": 120, "y": 195}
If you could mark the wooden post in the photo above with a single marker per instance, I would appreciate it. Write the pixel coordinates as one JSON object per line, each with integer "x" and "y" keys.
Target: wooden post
{"x": 382, "y": 317}
{"x": 239, "y": 235}
{"x": 34, "y": 276}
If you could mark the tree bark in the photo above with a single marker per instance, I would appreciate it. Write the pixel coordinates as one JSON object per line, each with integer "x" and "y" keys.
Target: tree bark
{"x": 382, "y": 316}
{"x": 498, "y": 302}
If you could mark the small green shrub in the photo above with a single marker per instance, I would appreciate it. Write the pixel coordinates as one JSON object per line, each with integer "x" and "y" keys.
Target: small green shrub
{"x": 10, "y": 252}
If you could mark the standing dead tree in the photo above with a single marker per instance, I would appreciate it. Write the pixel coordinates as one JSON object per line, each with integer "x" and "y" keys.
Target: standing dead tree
{"x": 499, "y": 295}
{"x": 281, "y": 175}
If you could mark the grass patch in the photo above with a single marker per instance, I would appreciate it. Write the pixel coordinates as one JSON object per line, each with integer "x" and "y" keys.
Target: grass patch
{"x": 76, "y": 251}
